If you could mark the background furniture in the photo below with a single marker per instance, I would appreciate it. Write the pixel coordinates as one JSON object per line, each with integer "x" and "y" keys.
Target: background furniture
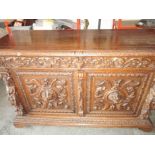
{"x": 118, "y": 24}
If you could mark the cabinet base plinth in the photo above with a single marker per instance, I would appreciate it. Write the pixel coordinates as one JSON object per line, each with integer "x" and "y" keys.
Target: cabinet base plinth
{"x": 144, "y": 125}
{"x": 20, "y": 125}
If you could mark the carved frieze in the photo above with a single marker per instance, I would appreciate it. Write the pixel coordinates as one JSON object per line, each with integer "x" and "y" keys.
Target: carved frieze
{"x": 78, "y": 62}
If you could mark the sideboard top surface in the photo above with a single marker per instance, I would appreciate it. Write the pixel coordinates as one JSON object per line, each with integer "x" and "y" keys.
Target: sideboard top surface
{"x": 73, "y": 40}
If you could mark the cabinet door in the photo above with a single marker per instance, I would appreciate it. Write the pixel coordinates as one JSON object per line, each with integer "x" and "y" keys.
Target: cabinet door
{"x": 47, "y": 91}
{"x": 114, "y": 93}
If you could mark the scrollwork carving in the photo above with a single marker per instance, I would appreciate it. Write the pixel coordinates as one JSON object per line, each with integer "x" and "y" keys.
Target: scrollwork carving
{"x": 150, "y": 100}
{"x": 12, "y": 94}
{"x": 80, "y": 94}
{"x": 10, "y": 88}
{"x": 78, "y": 62}
{"x": 115, "y": 95}
{"x": 48, "y": 93}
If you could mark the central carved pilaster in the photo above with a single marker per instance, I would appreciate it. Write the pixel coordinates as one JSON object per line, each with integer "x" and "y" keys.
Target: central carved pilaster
{"x": 80, "y": 94}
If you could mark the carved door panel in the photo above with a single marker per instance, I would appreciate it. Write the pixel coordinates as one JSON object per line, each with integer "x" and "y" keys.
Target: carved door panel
{"x": 48, "y": 91}
{"x": 115, "y": 94}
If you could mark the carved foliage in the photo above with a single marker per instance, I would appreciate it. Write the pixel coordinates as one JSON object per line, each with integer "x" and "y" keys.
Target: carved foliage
{"x": 11, "y": 91}
{"x": 149, "y": 102}
{"x": 78, "y": 62}
{"x": 115, "y": 95}
{"x": 80, "y": 94}
{"x": 117, "y": 62}
{"x": 48, "y": 93}
{"x": 10, "y": 88}
{"x": 40, "y": 61}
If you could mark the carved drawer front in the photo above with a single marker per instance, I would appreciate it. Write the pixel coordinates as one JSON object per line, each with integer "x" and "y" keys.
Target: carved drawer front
{"x": 51, "y": 92}
{"x": 115, "y": 93}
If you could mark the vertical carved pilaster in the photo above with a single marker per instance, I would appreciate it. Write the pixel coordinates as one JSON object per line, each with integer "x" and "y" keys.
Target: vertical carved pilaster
{"x": 148, "y": 102}
{"x": 11, "y": 91}
{"x": 151, "y": 96}
{"x": 80, "y": 94}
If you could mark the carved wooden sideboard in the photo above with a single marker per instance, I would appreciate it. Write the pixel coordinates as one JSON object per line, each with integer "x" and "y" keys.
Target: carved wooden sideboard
{"x": 97, "y": 78}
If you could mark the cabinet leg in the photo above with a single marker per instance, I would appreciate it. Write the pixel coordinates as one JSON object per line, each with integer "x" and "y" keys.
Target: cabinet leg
{"x": 19, "y": 125}
{"x": 146, "y": 129}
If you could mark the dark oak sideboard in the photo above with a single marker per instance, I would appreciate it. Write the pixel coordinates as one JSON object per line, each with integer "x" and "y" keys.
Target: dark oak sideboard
{"x": 96, "y": 78}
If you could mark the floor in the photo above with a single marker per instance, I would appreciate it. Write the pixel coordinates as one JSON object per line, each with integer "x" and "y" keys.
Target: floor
{"x": 7, "y": 115}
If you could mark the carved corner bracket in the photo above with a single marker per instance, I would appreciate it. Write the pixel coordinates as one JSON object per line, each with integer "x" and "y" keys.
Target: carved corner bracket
{"x": 11, "y": 91}
{"x": 149, "y": 102}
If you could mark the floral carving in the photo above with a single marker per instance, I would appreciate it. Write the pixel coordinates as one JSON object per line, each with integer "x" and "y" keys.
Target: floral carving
{"x": 10, "y": 88}
{"x": 149, "y": 102}
{"x": 48, "y": 93}
{"x": 115, "y": 95}
{"x": 78, "y": 62}
{"x": 11, "y": 91}
{"x": 80, "y": 94}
